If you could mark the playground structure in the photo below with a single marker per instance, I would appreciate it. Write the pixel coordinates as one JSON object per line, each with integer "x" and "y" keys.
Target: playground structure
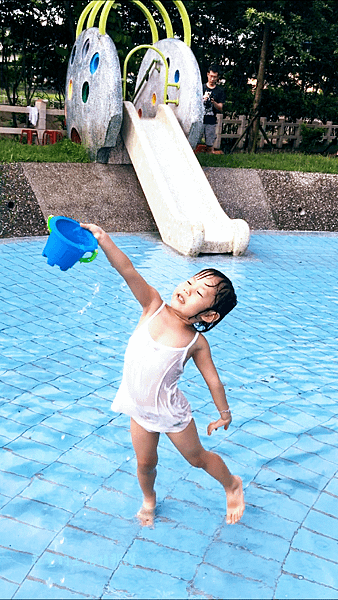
{"x": 160, "y": 127}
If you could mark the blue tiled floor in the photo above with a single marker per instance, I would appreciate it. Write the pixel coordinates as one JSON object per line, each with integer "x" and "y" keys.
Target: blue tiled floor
{"x": 68, "y": 491}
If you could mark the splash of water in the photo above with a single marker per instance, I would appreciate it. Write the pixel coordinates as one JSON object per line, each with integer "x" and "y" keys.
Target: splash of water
{"x": 89, "y": 304}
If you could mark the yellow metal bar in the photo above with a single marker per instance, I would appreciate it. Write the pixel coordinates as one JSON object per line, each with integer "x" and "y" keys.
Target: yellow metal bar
{"x": 109, "y": 5}
{"x": 147, "y": 13}
{"x": 104, "y": 16}
{"x": 95, "y": 10}
{"x": 148, "y": 47}
{"x": 95, "y": 5}
{"x": 166, "y": 18}
{"x": 186, "y": 21}
{"x": 83, "y": 16}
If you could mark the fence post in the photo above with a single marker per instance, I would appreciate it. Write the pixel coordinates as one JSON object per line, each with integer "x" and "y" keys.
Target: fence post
{"x": 329, "y": 131}
{"x": 280, "y": 132}
{"x": 263, "y": 126}
{"x": 219, "y": 126}
{"x": 41, "y": 105}
{"x": 241, "y": 130}
{"x": 298, "y": 133}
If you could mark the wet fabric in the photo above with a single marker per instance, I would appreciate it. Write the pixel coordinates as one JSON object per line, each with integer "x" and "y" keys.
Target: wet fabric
{"x": 148, "y": 392}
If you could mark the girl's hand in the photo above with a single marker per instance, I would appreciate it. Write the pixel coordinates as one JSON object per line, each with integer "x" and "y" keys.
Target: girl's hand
{"x": 97, "y": 232}
{"x": 220, "y": 423}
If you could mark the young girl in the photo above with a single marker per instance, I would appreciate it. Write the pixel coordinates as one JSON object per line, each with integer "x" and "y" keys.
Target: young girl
{"x": 164, "y": 340}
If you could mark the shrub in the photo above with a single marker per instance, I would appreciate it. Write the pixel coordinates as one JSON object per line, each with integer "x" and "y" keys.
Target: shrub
{"x": 311, "y": 138}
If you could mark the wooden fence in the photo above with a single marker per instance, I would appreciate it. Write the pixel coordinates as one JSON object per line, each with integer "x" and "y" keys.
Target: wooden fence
{"x": 278, "y": 132}
{"x": 41, "y": 125}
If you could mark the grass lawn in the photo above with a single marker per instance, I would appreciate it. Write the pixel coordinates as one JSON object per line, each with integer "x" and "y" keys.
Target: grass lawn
{"x": 66, "y": 151}
{"x": 276, "y": 161}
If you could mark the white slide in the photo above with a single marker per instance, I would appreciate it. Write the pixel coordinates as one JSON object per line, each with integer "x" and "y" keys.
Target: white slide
{"x": 185, "y": 208}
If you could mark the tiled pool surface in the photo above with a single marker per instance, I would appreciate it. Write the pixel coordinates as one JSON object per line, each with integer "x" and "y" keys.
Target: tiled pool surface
{"x": 68, "y": 490}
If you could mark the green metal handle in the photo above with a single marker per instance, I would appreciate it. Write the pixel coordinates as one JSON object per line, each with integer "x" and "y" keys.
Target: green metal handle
{"x": 186, "y": 21}
{"x": 149, "y": 47}
{"x": 95, "y": 6}
{"x": 92, "y": 16}
{"x": 150, "y": 18}
{"x": 83, "y": 16}
{"x": 90, "y": 258}
{"x": 166, "y": 18}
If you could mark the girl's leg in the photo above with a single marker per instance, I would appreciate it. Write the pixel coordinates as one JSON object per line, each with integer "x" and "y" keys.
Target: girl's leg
{"x": 188, "y": 444}
{"x": 145, "y": 446}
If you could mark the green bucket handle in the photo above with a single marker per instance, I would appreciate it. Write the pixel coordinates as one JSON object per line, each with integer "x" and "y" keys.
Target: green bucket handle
{"x": 48, "y": 223}
{"x": 82, "y": 260}
{"x": 90, "y": 258}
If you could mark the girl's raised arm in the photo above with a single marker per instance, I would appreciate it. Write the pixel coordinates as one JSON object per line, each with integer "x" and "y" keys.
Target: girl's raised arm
{"x": 146, "y": 295}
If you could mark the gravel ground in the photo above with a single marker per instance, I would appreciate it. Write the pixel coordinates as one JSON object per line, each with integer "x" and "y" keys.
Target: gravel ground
{"x": 20, "y": 213}
{"x": 269, "y": 200}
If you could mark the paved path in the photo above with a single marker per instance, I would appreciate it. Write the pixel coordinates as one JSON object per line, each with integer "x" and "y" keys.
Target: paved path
{"x": 68, "y": 491}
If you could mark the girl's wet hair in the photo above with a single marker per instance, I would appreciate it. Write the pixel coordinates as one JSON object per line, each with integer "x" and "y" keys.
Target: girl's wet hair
{"x": 225, "y": 298}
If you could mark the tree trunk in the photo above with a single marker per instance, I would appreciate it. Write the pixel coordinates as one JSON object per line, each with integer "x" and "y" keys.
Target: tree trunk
{"x": 253, "y": 133}
{"x": 71, "y": 30}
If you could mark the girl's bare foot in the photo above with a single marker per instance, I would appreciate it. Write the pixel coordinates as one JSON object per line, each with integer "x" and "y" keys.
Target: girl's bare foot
{"x": 146, "y": 514}
{"x": 235, "y": 501}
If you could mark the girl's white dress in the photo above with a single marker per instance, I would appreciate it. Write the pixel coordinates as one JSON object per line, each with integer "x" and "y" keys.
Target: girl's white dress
{"x": 148, "y": 392}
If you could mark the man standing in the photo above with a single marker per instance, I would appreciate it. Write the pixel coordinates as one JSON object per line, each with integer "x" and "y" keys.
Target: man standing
{"x": 213, "y": 99}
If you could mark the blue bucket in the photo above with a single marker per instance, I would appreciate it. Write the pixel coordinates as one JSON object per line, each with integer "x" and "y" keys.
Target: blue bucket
{"x": 68, "y": 242}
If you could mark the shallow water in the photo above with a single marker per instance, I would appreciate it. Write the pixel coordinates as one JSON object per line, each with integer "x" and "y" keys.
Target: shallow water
{"x": 68, "y": 490}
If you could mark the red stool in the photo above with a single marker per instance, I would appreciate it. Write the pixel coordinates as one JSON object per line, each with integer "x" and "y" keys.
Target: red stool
{"x": 29, "y": 133}
{"x": 51, "y": 136}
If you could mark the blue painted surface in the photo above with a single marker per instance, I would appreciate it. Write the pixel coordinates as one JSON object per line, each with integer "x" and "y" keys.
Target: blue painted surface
{"x": 68, "y": 487}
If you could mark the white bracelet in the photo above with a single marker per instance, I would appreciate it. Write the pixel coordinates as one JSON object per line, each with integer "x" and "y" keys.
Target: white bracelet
{"x": 226, "y": 411}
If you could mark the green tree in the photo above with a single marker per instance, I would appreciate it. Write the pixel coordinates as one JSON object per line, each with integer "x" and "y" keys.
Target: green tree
{"x": 278, "y": 57}
{"x": 298, "y": 76}
{"x": 28, "y": 35}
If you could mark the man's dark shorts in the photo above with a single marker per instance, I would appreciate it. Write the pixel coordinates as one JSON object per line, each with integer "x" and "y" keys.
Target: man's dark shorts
{"x": 209, "y": 134}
